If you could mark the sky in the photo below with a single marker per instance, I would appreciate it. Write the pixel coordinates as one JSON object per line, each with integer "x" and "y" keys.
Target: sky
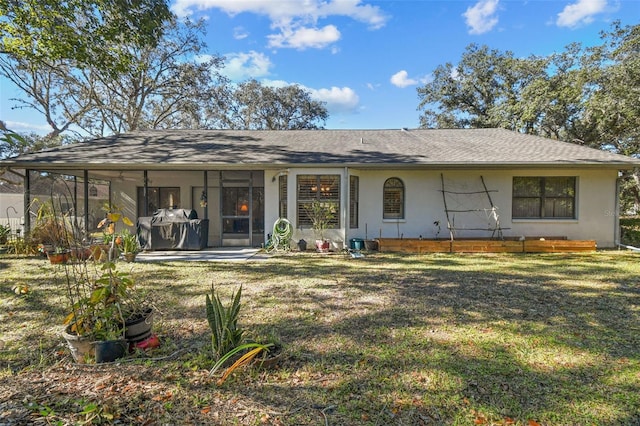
{"x": 366, "y": 59}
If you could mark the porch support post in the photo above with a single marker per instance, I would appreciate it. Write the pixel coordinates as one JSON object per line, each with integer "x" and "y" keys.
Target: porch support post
{"x": 27, "y": 201}
{"x": 206, "y": 193}
{"x": 251, "y": 209}
{"x": 75, "y": 196}
{"x": 145, "y": 191}
{"x": 85, "y": 215}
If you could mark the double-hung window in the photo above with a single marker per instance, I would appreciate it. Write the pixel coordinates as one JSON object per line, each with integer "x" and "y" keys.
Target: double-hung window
{"x": 548, "y": 197}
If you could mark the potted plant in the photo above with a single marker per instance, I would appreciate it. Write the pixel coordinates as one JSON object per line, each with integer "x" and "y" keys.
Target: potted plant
{"x": 321, "y": 214}
{"x": 101, "y": 299}
{"x": 130, "y": 245}
{"x": 58, "y": 255}
{"x": 52, "y": 232}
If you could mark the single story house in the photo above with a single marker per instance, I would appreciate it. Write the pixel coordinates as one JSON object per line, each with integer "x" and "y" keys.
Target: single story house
{"x": 405, "y": 183}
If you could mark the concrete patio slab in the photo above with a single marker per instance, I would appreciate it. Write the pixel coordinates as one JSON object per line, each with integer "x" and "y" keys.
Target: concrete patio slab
{"x": 212, "y": 254}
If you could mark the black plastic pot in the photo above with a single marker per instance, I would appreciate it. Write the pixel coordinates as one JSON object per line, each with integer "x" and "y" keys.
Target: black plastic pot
{"x": 110, "y": 350}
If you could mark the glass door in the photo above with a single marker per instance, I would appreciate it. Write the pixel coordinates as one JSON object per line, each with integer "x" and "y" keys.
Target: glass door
{"x": 242, "y": 209}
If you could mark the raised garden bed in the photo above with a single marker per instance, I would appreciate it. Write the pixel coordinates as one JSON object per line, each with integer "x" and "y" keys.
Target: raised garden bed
{"x": 533, "y": 245}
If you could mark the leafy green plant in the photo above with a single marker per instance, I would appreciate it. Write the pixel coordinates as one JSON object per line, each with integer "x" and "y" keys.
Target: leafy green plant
{"x": 5, "y": 230}
{"x": 97, "y": 295}
{"x": 129, "y": 242}
{"x": 321, "y": 214}
{"x": 223, "y": 321}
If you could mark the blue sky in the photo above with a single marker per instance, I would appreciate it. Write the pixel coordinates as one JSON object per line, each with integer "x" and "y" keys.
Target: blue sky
{"x": 365, "y": 59}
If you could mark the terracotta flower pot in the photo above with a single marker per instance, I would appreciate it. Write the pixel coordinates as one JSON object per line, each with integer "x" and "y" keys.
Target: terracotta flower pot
{"x": 322, "y": 246}
{"x": 129, "y": 257}
{"x": 58, "y": 258}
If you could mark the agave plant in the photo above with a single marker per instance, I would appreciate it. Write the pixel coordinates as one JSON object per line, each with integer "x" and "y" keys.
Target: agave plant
{"x": 223, "y": 321}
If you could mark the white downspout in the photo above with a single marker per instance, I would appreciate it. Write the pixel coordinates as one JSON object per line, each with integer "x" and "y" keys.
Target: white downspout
{"x": 616, "y": 219}
{"x": 345, "y": 208}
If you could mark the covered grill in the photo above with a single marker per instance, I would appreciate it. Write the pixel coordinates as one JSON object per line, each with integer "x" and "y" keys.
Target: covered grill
{"x": 173, "y": 229}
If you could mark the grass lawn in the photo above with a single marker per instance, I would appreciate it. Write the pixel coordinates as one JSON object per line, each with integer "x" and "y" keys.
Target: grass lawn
{"x": 382, "y": 340}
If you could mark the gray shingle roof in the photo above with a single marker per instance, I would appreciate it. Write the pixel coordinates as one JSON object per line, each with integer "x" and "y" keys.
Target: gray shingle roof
{"x": 159, "y": 149}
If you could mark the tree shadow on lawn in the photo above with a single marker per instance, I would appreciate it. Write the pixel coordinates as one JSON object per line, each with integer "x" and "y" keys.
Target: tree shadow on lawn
{"x": 588, "y": 327}
{"x": 434, "y": 339}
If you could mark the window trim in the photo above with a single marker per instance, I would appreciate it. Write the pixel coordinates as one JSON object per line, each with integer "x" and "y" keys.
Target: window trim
{"x": 401, "y": 190}
{"x": 543, "y": 197}
{"x": 336, "y": 201}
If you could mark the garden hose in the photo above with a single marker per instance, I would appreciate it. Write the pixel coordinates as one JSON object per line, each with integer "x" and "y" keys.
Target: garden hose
{"x": 281, "y": 237}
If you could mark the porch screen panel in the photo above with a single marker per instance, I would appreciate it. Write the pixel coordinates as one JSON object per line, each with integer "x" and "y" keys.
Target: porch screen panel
{"x": 257, "y": 214}
{"x": 324, "y": 188}
{"x": 158, "y": 198}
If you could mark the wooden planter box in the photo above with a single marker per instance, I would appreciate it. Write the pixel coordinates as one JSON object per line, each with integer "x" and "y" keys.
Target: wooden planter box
{"x": 482, "y": 246}
{"x": 554, "y": 246}
{"x": 414, "y": 245}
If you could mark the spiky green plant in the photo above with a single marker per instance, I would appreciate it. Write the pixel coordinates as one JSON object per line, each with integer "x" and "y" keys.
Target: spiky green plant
{"x": 223, "y": 322}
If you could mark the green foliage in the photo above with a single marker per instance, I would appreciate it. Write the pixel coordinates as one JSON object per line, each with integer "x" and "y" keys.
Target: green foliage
{"x": 5, "y": 230}
{"x": 253, "y": 106}
{"x": 630, "y": 230}
{"x": 129, "y": 242}
{"x": 321, "y": 214}
{"x": 83, "y": 31}
{"x": 223, "y": 321}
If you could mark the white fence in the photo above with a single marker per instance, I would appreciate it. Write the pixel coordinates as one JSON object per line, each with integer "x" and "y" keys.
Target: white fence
{"x": 16, "y": 224}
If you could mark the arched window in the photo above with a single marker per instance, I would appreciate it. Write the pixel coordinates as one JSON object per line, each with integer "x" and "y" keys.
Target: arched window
{"x": 393, "y": 199}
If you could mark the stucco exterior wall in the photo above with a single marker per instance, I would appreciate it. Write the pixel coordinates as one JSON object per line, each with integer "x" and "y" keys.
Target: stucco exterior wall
{"x": 595, "y": 201}
{"x": 424, "y": 206}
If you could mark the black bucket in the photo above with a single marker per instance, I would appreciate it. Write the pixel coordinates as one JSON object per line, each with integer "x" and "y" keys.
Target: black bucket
{"x": 110, "y": 350}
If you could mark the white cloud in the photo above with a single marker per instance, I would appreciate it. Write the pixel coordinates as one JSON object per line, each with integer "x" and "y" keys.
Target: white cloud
{"x": 20, "y": 126}
{"x": 580, "y": 12}
{"x": 240, "y": 33}
{"x": 338, "y": 99}
{"x": 294, "y": 21}
{"x": 243, "y": 65}
{"x": 401, "y": 79}
{"x": 481, "y": 17}
{"x": 302, "y": 38}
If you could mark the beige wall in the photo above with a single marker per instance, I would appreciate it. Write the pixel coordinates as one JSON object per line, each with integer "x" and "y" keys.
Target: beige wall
{"x": 596, "y": 203}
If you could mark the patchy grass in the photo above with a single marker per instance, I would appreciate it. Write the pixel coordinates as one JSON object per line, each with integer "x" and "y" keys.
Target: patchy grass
{"x": 383, "y": 340}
